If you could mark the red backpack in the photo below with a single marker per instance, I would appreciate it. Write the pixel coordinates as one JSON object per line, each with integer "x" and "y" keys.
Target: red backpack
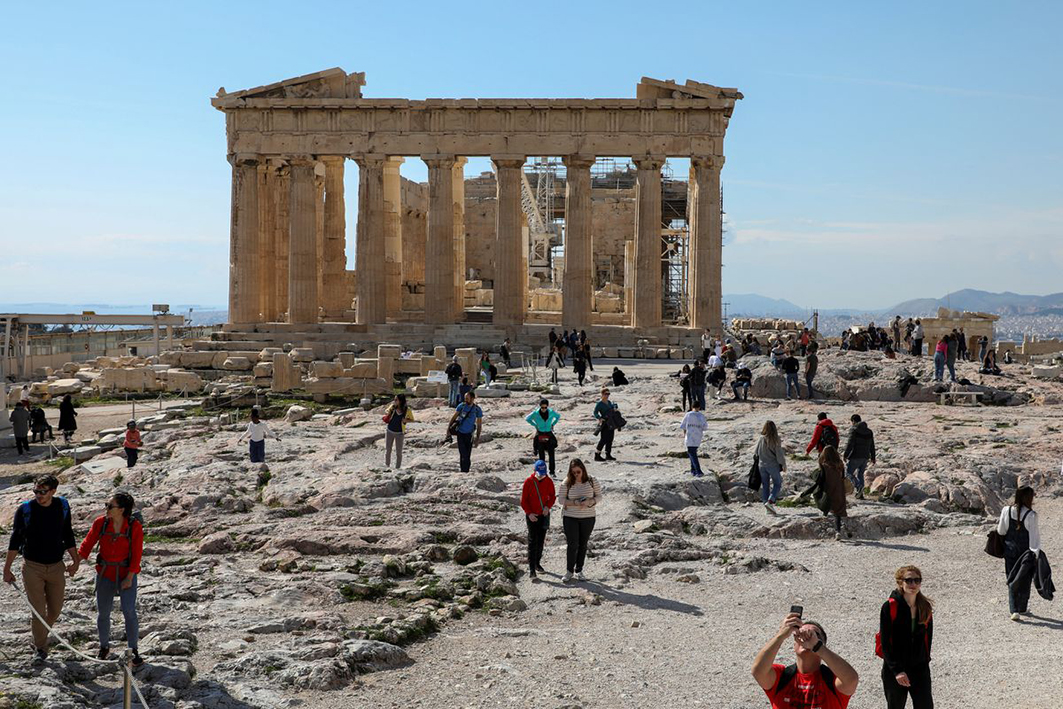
{"x": 878, "y": 636}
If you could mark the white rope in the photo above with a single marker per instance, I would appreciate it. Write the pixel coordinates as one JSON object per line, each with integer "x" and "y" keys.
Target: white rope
{"x": 51, "y": 631}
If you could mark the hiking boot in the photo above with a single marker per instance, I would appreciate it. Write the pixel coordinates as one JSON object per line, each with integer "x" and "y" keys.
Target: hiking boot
{"x": 598, "y": 457}
{"x": 41, "y": 656}
{"x": 137, "y": 659}
{"x": 103, "y": 653}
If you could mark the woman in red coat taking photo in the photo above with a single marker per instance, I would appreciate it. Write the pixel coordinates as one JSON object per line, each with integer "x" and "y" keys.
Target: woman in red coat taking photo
{"x": 120, "y": 535}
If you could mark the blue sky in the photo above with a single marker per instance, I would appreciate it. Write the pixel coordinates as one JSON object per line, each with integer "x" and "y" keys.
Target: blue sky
{"x": 883, "y": 151}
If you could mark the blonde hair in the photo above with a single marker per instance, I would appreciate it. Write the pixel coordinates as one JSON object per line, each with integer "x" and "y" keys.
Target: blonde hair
{"x": 924, "y": 607}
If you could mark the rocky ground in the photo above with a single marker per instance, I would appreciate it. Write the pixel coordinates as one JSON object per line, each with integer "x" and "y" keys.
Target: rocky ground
{"x": 326, "y": 580}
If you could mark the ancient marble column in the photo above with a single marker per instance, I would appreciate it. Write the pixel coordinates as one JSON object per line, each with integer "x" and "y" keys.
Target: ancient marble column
{"x": 393, "y": 237}
{"x": 706, "y": 244}
{"x": 267, "y": 253}
{"x": 509, "y": 281}
{"x": 281, "y": 226}
{"x": 334, "y": 248}
{"x": 439, "y": 244}
{"x": 302, "y": 243}
{"x": 577, "y": 293}
{"x": 319, "y": 229}
{"x": 369, "y": 247}
{"x": 647, "y": 285}
{"x": 414, "y": 223}
{"x": 459, "y": 239}
{"x": 244, "y": 247}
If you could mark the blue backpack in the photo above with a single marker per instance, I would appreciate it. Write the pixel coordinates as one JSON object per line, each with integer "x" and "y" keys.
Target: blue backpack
{"x": 26, "y": 508}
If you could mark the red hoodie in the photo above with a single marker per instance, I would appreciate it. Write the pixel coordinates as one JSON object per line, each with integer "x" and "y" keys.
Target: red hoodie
{"x": 114, "y": 548}
{"x": 529, "y": 501}
{"x": 814, "y": 443}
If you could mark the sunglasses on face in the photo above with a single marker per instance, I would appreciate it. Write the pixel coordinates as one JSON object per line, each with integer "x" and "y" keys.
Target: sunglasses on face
{"x": 41, "y": 491}
{"x": 913, "y": 581}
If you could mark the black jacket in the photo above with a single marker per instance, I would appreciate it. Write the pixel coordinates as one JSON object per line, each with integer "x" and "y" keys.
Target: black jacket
{"x": 453, "y": 371}
{"x": 861, "y": 445}
{"x": 1037, "y": 566}
{"x": 790, "y": 365}
{"x": 903, "y": 649}
{"x": 744, "y": 376}
{"x": 697, "y": 377}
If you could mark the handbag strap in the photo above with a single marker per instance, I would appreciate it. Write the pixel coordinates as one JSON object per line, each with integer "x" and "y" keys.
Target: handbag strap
{"x": 542, "y": 507}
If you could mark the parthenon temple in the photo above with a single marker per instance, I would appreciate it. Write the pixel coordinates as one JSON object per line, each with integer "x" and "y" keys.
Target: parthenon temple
{"x": 579, "y": 223}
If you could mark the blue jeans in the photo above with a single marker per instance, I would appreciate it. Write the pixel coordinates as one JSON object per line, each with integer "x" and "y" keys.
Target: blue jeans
{"x": 735, "y": 386}
{"x": 106, "y": 590}
{"x": 695, "y": 465}
{"x": 698, "y": 394}
{"x": 791, "y": 379}
{"x": 258, "y": 451}
{"x": 939, "y": 366}
{"x": 808, "y": 383}
{"x": 854, "y": 470}
{"x": 951, "y": 364}
{"x": 770, "y": 477}
{"x": 452, "y": 398}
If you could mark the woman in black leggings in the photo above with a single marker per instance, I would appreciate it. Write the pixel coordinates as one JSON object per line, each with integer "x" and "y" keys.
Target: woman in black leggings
{"x": 906, "y": 630}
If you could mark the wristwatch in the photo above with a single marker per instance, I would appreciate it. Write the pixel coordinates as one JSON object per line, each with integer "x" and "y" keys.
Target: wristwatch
{"x": 817, "y": 646}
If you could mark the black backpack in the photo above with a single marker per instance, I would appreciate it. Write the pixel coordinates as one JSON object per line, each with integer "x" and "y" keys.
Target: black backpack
{"x": 828, "y": 437}
{"x": 790, "y": 671}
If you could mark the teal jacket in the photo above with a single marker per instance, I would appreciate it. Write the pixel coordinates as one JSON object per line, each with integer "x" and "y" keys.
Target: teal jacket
{"x": 602, "y": 409}
{"x": 541, "y": 425}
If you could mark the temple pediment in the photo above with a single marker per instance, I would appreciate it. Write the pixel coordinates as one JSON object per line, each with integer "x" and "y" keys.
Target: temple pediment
{"x": 330, "y": 83}
{"x": 657, "y": 89}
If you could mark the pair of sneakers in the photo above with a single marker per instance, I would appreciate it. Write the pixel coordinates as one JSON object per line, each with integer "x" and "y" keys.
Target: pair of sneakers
{"x": 105, "y": 653}
{"x": 569, "y": 576}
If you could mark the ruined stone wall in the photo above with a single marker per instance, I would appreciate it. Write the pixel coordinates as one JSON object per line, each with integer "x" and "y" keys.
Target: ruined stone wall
{"x": 612, "y": 223}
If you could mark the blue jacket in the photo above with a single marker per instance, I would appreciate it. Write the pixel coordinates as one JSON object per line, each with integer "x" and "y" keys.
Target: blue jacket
{"x": 541, "y": 425}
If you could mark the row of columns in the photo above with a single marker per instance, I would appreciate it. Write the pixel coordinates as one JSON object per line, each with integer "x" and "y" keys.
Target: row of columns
{"x": 287, "y": 254}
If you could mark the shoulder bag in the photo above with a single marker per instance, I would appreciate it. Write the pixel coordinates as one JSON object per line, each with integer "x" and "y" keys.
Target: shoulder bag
{"x": 754, "y": 474}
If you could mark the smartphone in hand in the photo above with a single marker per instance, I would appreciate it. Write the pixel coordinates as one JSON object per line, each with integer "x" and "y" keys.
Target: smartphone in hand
{"x": 799, "y": 610}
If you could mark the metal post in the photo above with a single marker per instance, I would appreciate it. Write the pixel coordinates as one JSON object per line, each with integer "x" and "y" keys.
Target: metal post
{"x": 127, "y": 689}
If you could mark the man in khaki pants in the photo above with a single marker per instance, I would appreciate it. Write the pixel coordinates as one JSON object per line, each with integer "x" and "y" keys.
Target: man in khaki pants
{"x": 42, "y": 532}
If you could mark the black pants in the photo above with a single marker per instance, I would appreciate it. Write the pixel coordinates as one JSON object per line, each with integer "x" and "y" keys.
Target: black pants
{"x": 130, "y": 457}
{"x": 686, "y": 399}
{"x": 1019, "y": 594}
{"x": 536, "y": 539}
{"x": 41, "y": 434}
{"x": 22, "y": 443}
{"x": 580, "y": 375}
{"x": 808, "y": 382}
{"x": 897, "y": 696}
{"x": 465, "y": 450}
{"x": 606, "y": 440}
{"x": 577, "y": 534}
{"x": 545, "y": 449}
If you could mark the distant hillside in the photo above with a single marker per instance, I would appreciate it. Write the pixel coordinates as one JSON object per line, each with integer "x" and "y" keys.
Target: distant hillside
{"x": 753, "y": 305}
{"x": 980, "y": 301}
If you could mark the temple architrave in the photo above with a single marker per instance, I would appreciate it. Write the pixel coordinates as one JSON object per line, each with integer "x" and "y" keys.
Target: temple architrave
{"x": 288, "y": 144}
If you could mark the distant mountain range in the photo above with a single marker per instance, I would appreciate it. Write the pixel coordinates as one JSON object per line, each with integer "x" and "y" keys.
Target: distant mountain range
{"x": 1007, "y": 303}
{"x": 200, "y": 314}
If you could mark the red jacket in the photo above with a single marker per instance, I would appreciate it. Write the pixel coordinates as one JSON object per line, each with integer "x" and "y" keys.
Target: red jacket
{"x": 114, "y": 548}
{"x": 529, "y": 501}
{"x": 814, "y": 443}
{"x": 132, "y": 438}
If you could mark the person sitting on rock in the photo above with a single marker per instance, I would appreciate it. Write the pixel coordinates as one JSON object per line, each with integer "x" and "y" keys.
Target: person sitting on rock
{"x": 619, "y": 378}
{"x": 989, "y": 364}
{"x": 257, "y": 432}
{"x": 820, "y": 678}
{"x": 120, "y": 535}
{"x": 39, "y": 425}
{"x": 717, "y": 378}
{"x": 825, "y": 434}
{"x": 743, "y": 380}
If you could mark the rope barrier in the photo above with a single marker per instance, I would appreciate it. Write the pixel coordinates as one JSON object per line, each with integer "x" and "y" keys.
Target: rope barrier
{"x": 51, "y": 631}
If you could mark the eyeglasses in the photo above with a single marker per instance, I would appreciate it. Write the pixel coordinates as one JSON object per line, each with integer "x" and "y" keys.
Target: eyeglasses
{"x": 913, "y": 581}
